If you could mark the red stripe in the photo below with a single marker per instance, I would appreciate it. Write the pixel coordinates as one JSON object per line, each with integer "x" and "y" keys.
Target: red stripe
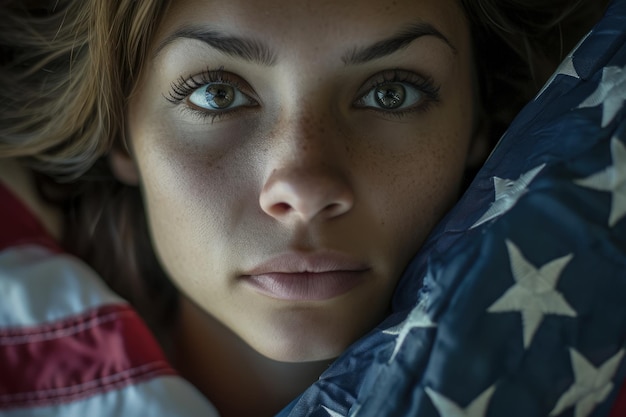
{"x": 19, "y": 225}
{"x": 104, "y": 349}
{"x": 619, "y": 407}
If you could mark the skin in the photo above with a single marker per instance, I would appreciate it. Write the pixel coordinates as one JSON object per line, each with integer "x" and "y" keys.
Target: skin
{"x": 306, "y": 165}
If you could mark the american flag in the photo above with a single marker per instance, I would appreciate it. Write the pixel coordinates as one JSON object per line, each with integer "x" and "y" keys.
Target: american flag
{"x": 516, "y": 305}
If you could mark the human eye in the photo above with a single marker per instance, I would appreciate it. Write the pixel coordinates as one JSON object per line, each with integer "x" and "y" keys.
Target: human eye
{"x": 213, "y": 93}
{"x": 398, "y": 92}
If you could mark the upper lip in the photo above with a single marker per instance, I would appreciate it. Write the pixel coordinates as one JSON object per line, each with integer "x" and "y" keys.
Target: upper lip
{"x": 317, "y": 262}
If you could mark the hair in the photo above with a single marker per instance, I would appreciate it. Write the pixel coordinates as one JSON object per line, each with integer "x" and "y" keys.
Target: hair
{"x": 67, "y": 68}
{"x": 518, "y": 44}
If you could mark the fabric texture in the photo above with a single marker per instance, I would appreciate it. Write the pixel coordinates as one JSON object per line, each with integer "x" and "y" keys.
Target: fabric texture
{"x": 516, "y": 305}
{"x": 68, "y": 345}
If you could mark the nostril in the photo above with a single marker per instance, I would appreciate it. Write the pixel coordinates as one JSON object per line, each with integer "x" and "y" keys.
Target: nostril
{"x": 281, "y": 208}
{"x": 305, "y": 193}
{"x": 333, "y": 208}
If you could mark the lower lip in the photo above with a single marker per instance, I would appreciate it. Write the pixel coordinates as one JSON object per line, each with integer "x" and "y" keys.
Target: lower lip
{"x": 306, "y": 286}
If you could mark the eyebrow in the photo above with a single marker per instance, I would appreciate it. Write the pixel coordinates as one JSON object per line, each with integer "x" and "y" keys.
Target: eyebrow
{"x": 244, "y": 48}
{"x": 255, "y": 51}
{"x": 395, "y": 43}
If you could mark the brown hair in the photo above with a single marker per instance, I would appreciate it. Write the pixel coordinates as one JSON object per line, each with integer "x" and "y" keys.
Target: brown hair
{"x": 518, "y": 44}
{"x": 67, "y": 69}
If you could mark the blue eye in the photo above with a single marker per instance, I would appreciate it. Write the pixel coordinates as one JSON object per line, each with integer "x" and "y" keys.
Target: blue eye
{"x": 216, "y": 96}
{"x": 392, "y": 96}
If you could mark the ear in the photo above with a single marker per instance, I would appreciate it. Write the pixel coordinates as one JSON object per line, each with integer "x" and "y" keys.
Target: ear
{"x": 123, "y": 166}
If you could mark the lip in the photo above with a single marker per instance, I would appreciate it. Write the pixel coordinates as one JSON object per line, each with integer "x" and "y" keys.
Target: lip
{"x": 306, "y": 277}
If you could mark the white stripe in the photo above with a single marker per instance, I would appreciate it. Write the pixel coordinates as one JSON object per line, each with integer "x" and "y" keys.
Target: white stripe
{"x": 38, "y": 286}
{"x": 160, "y": 397}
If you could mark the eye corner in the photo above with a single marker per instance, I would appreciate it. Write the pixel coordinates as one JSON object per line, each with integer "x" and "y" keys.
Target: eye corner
{"x": 172, "y": 99}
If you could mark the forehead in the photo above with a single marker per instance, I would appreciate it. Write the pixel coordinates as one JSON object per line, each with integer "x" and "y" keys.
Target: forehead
{"x": 310, "y": 25}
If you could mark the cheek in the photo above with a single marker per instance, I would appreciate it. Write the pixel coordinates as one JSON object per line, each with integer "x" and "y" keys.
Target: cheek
{"x": 189, "y": 197}
{"x": 415, "y": 189}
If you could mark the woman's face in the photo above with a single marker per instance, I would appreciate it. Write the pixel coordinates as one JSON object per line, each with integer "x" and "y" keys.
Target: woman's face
{"x": 293, "y": 156}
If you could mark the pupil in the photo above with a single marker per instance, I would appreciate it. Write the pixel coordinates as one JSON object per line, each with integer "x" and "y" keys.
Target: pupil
{"x": 390, "y": 96}
{"x": 220, "y": 96}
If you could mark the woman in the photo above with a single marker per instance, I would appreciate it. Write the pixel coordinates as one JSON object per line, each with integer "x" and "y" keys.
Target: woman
{"x": 291, "y": 158}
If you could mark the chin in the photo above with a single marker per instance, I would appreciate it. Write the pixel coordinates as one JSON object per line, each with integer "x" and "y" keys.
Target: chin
{"x": 319, "y": 332}
{"x": 298, "y": 353}
{"x": 303, "y": 342}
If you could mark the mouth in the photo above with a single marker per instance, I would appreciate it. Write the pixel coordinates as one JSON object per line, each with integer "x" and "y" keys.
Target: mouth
{"x": 306, "y": 277}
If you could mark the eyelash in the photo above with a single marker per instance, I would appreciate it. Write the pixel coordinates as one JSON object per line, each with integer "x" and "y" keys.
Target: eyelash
{"x": 182, "y": 88}
{"x": 425, "y": 85}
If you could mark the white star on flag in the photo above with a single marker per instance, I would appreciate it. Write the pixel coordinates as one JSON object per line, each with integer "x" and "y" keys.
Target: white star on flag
{"x": 417, "y": 318}
{"x": 566, "y": 67}
{"x": 591, "y": 386}
{"x": 508, "y": 192}
{"x": 534, "y": 294}
{"x": 448, "y": 408}
{"x": 331, "y": 413}
{"x": 611, "y": 93}
{"x": 355, "y": 409}
{"x": 612, "y": 179}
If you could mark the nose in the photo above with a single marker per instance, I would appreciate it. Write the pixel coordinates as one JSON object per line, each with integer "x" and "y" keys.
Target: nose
{"x": 306, "y": 191}
{"x": 308, "y": 167}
